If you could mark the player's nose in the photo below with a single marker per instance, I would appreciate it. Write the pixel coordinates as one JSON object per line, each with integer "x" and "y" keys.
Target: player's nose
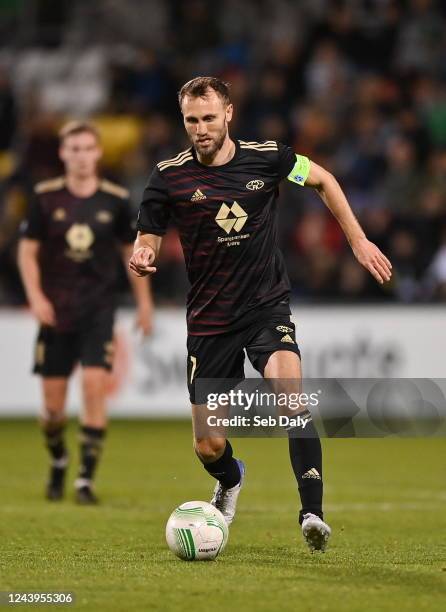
{"x": 201, "y": 129}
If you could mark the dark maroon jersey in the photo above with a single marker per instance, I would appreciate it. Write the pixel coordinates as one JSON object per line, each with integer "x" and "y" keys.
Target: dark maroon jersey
{"x": 227, "y": 221}
{"x": 79, "y": 246}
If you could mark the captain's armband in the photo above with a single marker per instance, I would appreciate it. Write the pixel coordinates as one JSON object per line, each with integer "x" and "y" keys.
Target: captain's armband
{"x": 300, "y": 171}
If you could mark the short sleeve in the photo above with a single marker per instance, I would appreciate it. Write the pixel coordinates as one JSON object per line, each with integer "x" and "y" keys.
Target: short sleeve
{"x": 154, "y": 211}
{"x": 287, "y": 159}
{"x": 125, "y": 227}
{"x": 34, "y": 224}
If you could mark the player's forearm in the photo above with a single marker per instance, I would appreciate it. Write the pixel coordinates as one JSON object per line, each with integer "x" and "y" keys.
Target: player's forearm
{"x": 29, "y": 271}
{"x": 141, "y": 290}
{"x": 141, "y": 287}
{"x": 334, "y": 198}
{"x": 148, "y": 240}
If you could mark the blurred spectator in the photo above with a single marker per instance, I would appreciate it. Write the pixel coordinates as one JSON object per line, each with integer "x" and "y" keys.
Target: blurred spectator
{"x": 400, "y": 188}
{"x": 8, "y": 113}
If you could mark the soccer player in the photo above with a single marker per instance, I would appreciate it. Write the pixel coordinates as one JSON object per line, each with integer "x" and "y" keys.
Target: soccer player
{"x": 77, "y": 228}
{"x": 221, "y": 193}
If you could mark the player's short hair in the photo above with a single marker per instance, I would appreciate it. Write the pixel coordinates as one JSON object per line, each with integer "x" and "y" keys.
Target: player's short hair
{"x": 78, "y": 127}
{"x": 198, "y": 87}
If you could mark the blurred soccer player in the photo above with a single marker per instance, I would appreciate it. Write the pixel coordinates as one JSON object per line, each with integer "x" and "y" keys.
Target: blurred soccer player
{"x": 221, "y": 193}
{"x": 78, "y": 226}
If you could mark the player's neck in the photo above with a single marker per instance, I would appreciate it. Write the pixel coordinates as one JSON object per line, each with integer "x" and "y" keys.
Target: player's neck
{"x": 82, "y": 187}
{"x": 223, "y": 155}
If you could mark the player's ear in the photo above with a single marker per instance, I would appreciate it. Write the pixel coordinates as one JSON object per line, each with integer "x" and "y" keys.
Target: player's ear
{"x": 229, "y": 111}
{"x": 62, "y": 153}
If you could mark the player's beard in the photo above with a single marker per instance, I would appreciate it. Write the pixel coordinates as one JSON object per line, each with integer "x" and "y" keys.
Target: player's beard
{"x": 211, "y": 151}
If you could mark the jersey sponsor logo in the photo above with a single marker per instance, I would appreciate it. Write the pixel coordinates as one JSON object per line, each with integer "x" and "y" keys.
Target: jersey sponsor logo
{"x": 59, "y": 214}
{"x": 79, "y": 237}
{"x": 255, "y": 185}
{"x": 104, "y": 216}
{"x": 198, "y": 195}
{"x": 231, "y": 218}
{"x": 288, "y": 339}
{"x": 284, "y": 329}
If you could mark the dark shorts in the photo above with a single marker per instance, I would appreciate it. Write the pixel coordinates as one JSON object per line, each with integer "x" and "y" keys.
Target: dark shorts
{"x": 222, "y": 356}
{"x": 57, "y": 352}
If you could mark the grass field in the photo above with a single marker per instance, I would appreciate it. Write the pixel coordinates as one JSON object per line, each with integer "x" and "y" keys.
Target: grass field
{"x": 385, "y": 501}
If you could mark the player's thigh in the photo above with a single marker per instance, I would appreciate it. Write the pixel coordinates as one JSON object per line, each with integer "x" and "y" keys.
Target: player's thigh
{"x": 273, "y": 350}
{"x": 214, "y": 366}
{"x": 218, "y": 358}
{"x": 55, "y": 353}
{"x": 96, "y": 341}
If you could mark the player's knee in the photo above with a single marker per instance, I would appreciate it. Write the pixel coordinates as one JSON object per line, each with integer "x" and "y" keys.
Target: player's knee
{"x": 51, "y": 418}
{"x": 54, "y": 393}
{"x": 209, "y": 449}
{"x": 94, "y": 383}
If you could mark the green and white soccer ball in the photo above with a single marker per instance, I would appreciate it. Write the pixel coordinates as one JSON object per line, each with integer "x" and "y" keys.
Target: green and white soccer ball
{"x": 196, "y": 531}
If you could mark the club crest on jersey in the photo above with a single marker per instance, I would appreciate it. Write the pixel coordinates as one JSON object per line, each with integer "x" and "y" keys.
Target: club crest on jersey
{"x": 80, "y": 237}
{"x": 229, "y": 218}
{"x": 255, "y": 185}
{"x": 284, "y": 329}
{"x": 198, "y": 195}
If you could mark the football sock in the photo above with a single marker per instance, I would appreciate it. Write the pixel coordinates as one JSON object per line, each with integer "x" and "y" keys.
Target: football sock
{"x": 55, "y": 442}
{"x": 225, "y": 469}
{"x": 91, "y": 440}
{"x": 306, "y": 458}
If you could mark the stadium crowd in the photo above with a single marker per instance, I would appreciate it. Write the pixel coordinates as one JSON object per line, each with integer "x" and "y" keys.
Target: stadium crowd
{"x": 359, "y": 87}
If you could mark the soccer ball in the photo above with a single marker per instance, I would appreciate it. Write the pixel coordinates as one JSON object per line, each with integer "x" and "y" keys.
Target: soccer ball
{"x": 196, "y": 531}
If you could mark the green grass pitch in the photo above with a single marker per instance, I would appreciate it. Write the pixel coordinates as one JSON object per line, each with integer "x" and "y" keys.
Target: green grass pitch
{"x": 385, "y": 501}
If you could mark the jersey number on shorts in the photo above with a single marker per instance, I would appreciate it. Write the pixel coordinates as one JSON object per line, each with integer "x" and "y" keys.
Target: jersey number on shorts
{"x": 194, "y": 367}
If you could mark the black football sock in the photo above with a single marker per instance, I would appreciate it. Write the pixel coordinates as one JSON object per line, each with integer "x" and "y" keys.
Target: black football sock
{"x": 91, "y": 441}
{"x": 55, "y": 442}
{"x": 225, "y": 469}
{"x": 306, "y": 459}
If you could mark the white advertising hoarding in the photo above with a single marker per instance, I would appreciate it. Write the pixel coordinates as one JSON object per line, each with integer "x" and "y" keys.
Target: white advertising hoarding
{"x": 149, "y": 377}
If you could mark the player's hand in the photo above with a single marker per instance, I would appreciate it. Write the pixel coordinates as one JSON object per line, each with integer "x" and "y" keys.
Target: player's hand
{"x": 144, "y": 319}
{"x": 43, "y": 310}
{"x": 372, "y": 259}
{"x": 141, "y": 261}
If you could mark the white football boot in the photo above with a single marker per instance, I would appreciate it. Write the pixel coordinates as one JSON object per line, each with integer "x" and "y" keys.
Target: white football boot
{"x": 315, "y": 532}
{"x": 225, "y": 500}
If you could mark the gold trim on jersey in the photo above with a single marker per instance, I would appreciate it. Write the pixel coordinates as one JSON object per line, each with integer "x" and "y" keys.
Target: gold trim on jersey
{"x": 114, "y": 189}
{"x": 50, "y": 185}
{"x": 178, "y": 160}
{"x": 268, "y": 145}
